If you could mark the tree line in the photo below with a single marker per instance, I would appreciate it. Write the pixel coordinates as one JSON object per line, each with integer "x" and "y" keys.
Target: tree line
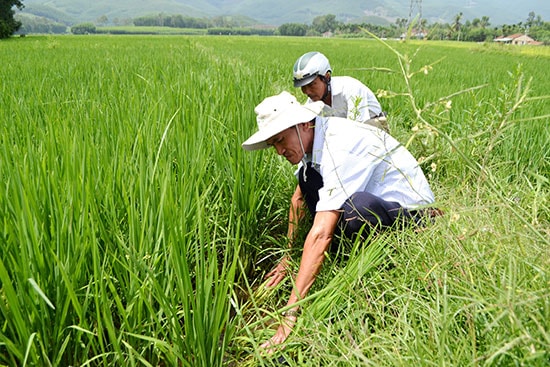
{"x": 476, "y": 30}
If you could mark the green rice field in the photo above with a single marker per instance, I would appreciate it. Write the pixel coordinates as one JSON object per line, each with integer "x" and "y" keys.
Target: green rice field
{"x": 135, "y": 231}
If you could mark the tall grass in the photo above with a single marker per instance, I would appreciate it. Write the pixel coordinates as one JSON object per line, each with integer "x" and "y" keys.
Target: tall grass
{"x": 135, "y": 230}
{"x": 119, "y": 162}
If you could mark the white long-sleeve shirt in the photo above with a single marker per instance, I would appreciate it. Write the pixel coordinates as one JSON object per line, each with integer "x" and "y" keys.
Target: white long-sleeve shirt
{"x": 353, "y": 157}
{"x": 351, "y": 99}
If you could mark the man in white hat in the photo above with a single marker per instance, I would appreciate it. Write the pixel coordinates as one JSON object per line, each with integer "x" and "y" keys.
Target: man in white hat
{"x": 350, "y": 174}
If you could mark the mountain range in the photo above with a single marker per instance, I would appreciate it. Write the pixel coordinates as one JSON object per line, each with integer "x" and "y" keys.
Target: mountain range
{"x": 277, "y": 12}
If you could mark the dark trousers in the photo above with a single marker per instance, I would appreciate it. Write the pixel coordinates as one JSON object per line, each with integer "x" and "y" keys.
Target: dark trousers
{"x": 359, "y": 209}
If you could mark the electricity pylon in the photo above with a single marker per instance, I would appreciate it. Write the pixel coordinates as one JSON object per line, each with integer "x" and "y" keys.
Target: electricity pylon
{"x": 415, "y": 8}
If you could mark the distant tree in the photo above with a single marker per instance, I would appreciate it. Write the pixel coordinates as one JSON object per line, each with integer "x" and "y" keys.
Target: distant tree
{"x": 292, "y": 29}
{"x": 484, "y": 23}
{"x": 401, "y": 22}
{"x": 423, "y": 23}
{"x": 223, "y": 22}
{"x": 83, "y": 28}
{"x": 325, "y": 23}
{"x": 160, "y": 18}
{"x": 438, "y": 31}
{"x": 530, "y": 19}
{"x": 541, "y": 33}
{"x": 176, "y": 21}
{"x": 474, "y": 31}
{"x": 478, "y": 35}
{"x": 349, "y": 28}
{"x": 102, "y": 20}
{"x": 8, "y": 24}
{"x": 457, "y": 25}
{"x": 508, "y": 29}
{"x": 146, "y": 21}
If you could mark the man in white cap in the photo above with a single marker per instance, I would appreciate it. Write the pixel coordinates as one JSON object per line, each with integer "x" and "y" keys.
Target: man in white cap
{"x": 350, "y": 174}
{"x": 343, "y": 96}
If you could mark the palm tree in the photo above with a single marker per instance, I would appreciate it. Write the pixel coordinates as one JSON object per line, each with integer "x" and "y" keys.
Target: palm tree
{"x": 484, "y": 22}
{"x": 457, "y": 25}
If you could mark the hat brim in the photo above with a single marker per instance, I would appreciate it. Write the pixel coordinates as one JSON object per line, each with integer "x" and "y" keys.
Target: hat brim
{"x": 291, "y": 117}
{"x": 298, "y": 83}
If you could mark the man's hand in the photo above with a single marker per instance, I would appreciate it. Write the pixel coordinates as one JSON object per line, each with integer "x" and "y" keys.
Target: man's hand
{"x": 317, "y": 241}
{"x": 278, "y": 273}
{"x": 287, "y": 323}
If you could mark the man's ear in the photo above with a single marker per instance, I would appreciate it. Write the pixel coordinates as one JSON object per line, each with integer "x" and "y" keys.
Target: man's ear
{"x": 305, "y": 126}
{"x": 327, "y": 76}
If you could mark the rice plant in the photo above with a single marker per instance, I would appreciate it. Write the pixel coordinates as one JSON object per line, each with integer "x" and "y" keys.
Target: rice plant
{"x": 136, "y": 231}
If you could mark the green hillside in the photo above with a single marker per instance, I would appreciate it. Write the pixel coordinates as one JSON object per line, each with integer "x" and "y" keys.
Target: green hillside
{"x": 274, "y": 12}
{"x": 80, "y": 10}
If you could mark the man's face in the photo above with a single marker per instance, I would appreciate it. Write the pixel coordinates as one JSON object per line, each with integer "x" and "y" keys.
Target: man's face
{"x": 287, "y": 144}
{"x": 315, "y": 90}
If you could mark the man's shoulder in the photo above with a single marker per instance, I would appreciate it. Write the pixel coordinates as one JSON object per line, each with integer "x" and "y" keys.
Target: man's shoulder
{"x": 346, "y": 84}
{"x": 354, "y": 130}
{"x": 346, "y": 80}
{"x": 345, "y": 126}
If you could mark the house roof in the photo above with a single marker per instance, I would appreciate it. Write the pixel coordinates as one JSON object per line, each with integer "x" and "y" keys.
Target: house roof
{"x": 515, "y": 35}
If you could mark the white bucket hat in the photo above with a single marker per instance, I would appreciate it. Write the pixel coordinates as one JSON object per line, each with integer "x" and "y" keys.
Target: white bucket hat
{"x": 277, "y": 113}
